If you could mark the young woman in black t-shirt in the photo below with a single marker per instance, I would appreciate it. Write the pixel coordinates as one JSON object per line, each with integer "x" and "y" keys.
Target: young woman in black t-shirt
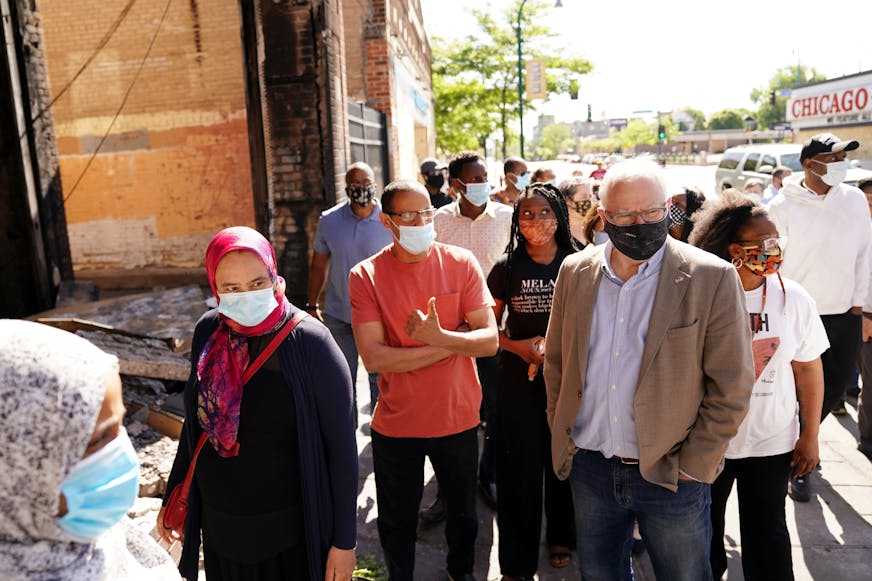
{"x": 522, "y": 284}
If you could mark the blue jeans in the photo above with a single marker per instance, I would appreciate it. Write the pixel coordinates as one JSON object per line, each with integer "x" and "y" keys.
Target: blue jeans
{"x": 676, "y": 526}
{"x": 343, "y": 336}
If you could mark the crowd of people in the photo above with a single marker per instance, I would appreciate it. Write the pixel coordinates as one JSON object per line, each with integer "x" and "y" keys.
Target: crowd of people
{"x": 630, "y": 354}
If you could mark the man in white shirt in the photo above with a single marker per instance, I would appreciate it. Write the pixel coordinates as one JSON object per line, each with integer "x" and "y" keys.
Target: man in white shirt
{"x": 828, "y": 235}
{"x": 778, "y": 175}
{"x": 482, "y": 226}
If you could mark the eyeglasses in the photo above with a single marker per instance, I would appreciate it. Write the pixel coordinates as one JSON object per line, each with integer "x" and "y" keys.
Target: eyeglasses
{"x": 543, "y": 214}
{"x": 767, "y": 244}
{"x": 649, "y": 216}
{"x": 409, "y": 217}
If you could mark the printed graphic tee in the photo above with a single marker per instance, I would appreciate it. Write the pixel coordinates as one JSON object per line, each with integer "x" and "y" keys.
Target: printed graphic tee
{"x": 787, "y": 332}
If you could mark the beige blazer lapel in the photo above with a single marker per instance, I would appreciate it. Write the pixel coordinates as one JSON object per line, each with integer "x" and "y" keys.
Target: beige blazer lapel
{"x": 586, "y": 287}
{"x": 671, "y": 287}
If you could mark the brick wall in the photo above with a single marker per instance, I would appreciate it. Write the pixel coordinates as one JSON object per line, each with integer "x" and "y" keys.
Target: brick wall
{"x": 378, "y": 35}
{"x": 174, "y": 168}
{"x": 305, "y": 125}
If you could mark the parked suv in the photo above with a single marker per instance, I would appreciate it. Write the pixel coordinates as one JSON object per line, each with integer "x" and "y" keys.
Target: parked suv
{"x": 745, "y": 162}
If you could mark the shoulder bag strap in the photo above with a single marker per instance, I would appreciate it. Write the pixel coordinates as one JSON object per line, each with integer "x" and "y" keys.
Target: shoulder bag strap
{"x": 246, "y": 375}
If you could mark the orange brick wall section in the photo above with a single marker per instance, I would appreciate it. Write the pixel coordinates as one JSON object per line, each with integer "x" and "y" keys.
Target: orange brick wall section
{"x": 175, "y": 168}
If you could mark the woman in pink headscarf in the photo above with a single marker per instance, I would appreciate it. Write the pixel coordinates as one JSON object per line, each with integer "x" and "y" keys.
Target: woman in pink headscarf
{"x": 275, "y": 486}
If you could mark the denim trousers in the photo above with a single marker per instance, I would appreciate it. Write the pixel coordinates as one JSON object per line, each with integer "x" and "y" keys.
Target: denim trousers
{"x": 398, "y": 464}
{"x": 610, "y": 496}
{"x": 343, "y": 336}
{"x": 762, "y": 488}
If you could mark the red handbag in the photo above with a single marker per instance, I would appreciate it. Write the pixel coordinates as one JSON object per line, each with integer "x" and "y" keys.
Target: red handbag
{"x": 176, "y": 509}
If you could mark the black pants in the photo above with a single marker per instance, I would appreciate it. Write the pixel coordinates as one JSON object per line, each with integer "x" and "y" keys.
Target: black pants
{"x": 762, "y": 487}
{"x": 864, "y": 404}
{"x": 398, "y": 464}
{"x": 523, "y": 450}
{"x": 487, "y": 376}
{"x": 842, "y": 358}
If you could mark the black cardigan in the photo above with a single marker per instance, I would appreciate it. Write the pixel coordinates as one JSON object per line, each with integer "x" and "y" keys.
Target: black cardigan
{"x": 317, "y": 372}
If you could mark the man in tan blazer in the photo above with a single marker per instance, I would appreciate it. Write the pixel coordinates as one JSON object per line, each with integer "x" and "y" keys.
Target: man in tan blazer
{"x": 649, "y": 369}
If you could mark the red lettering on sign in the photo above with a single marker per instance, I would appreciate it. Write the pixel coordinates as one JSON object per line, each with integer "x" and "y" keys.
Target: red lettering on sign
{"x": 862, "y": 98}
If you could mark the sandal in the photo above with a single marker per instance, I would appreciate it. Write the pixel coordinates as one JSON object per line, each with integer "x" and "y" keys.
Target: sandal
{"x": 559, "y": 557}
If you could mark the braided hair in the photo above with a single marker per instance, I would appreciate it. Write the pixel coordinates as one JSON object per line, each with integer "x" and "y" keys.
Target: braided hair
{"x": 562, "y": 236}
{"x": 694, "y": 200}
{"x": 555, "y": 199}
{"x": 717, "y": 223}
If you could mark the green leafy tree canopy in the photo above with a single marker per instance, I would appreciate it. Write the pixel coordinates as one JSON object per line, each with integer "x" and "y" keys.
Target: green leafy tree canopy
{"x": 784, "y": 78}
{"x": 475, "y": 79}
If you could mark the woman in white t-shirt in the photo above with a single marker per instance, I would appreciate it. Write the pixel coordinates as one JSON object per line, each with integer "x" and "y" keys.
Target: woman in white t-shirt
{"x": 788, "y": 341}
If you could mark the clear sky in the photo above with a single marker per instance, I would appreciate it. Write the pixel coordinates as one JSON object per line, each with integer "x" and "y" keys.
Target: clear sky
{"x": 676, "y": 53}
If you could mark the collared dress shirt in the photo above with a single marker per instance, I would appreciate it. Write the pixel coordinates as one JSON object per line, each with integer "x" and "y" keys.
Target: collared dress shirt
{"x": 486, "y": 237}
{"x": 621, "y": 314}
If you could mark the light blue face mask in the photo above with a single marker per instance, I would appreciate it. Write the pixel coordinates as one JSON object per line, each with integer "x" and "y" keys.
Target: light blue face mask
{"x": 250, "y": 308}
{"x": 477, "y": 194}
{"x": 522, "y": 181}
{"x": 600, "y": 237}
{"x": 100, "y": 490}
{"x": 417, "y": 239}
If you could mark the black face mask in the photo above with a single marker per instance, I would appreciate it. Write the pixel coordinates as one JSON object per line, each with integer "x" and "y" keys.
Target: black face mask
{"x": 638, "y": 241}
{"x": 436, "y": 181}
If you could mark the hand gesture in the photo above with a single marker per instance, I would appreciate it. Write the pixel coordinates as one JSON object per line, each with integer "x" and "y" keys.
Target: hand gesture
{"x": 424, "y": 328}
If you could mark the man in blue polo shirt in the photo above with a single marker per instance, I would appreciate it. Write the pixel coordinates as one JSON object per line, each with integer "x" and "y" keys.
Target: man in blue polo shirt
{"x": 348, "y": 232}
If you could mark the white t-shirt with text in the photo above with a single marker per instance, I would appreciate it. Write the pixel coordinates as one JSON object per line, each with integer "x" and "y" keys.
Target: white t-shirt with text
{"x": 787, "y": 333}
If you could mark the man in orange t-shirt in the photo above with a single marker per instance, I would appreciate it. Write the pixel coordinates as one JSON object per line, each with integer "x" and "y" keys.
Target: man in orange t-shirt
{"x": 421, "y": 313}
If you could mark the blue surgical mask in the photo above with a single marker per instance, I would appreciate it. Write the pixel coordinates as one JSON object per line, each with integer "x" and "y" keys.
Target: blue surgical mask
{"x": 250, "y": 308}
{"x": 522, "y": 181}
{"x": 100, "y": 490}
{"x": 417, "y": 239}
{"x": 477, "y": 194}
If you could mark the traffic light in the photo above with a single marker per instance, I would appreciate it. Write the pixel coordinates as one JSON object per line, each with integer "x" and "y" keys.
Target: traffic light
{"x": 588, "y": 113}
{"x": 661, "y": 131}
{"x": 772, "y": 98}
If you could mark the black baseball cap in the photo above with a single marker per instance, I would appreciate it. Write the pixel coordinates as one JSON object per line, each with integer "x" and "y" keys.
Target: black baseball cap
{"x": 826, "y": 143}
{"x": 430, "y": 165}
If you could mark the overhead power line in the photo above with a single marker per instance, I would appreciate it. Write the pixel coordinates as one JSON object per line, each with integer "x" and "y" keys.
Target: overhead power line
{"x": 123, "y": 102}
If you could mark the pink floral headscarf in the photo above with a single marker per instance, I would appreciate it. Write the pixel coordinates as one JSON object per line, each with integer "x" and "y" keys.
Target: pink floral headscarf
{"x": 225, "y": 354}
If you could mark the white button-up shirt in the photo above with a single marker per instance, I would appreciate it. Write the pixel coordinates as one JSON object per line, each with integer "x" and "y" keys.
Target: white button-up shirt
{"x": 486, "y": 237}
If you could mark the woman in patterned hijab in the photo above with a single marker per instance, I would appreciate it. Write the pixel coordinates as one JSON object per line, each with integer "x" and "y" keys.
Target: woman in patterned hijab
{"x": 61, "y": 410}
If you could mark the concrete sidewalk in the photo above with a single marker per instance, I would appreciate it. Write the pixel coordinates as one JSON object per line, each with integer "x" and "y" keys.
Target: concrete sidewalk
{"x": 831, "y": 534}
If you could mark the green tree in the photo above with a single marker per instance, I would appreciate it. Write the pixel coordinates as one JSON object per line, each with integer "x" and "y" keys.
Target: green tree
{"x": 697, "y": 123}
{"x": 477, "y": 76}
{"x": 554, "y": 139}
{"x": 784, "y": 78}
{"x": 728, "y": 119}
{"x": 642, "y": 132}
